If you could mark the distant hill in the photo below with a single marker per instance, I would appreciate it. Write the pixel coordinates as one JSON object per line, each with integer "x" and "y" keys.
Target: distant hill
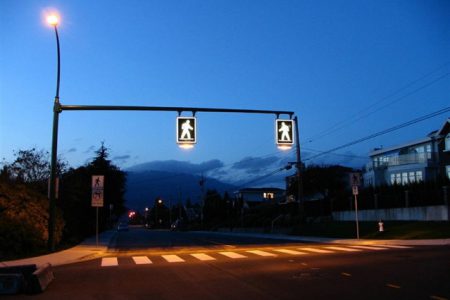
{"x": 143, "y": 187}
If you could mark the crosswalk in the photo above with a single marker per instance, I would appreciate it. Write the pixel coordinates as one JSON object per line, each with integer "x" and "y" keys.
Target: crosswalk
{"x": 242, "y": 254}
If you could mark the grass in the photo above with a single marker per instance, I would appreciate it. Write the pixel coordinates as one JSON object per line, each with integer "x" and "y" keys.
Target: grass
{"x": 369, "y": 230}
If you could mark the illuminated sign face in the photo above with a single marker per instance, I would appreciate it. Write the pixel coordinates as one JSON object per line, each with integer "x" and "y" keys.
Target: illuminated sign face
{"x": 284, "y": 132}
{"x": 186, "y": 130}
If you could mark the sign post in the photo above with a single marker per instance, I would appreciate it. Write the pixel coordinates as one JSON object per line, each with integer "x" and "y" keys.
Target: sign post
{"x": 355, "y": 180}
{"x": 97, "y": 194}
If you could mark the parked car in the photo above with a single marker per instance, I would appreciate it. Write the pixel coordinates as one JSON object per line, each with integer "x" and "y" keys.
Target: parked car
{"x": 122, "y": 226}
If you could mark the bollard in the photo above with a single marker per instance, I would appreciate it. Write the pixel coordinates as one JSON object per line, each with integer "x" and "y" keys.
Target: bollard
{"x": 380, "y": 226}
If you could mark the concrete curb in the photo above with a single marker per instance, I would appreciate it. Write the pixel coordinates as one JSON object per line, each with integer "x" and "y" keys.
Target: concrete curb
{"x": 87, "y": 250}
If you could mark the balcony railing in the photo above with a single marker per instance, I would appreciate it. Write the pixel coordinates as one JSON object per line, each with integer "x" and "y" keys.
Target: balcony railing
{"x": 398, "y": 160}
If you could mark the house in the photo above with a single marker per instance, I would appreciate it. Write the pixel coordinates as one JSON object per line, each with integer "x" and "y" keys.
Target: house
{"x": 424, "y": 159}
{"x": 254, "y": 196}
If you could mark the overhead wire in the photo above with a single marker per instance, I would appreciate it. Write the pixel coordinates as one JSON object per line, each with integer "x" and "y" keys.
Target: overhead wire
{"x": 339, "y": 125}
{"x": 394, "y": 128}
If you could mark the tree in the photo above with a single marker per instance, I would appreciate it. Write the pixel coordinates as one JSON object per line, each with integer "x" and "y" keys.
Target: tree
{"x": 76, "y": 196}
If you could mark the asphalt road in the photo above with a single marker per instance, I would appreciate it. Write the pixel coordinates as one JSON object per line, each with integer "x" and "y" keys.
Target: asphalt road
{"x": 145, "y": 264}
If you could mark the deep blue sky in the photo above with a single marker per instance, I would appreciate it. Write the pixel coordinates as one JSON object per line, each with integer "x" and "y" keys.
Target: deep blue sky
{"x": 329, "y": 61}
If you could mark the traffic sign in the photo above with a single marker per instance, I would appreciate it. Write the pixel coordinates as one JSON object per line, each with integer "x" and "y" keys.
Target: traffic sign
{"x": 97, "y": 186}
{"x": 284, "y": 132}
{"x": 355, "y": 190}
{"x": 186, "y": 130}
{"x": 355, "y": 179}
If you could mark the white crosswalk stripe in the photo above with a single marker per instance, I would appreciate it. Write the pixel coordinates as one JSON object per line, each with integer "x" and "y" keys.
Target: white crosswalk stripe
{"x": 109, "y": 262}
{"x": 261, "y": 253}
{"x": 343, "y": 249}
{"x": 142, "y": 260}
{"x": 202, "y": 256}
{"x": 369, "y": 247}
{"x": 316, "y": 250}
{"x": 232, "y": 254}
{"x": 287, "y": 251}
{"x": 172, "y": 258}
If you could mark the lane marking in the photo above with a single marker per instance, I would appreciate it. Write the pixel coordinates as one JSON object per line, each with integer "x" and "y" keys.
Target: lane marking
{"x": 287, "y": 251}
{"x": 394, "y": 286}
{"x": 369, "y": 247}
{"x": 232, "y": 255}
{"x": 142, "y": 260}
{"x": 109, "y": 262}
{"x": 346, "y": 274}
{"x": 437, "y": 298}
{"x": 343, "y": 249}
{"x": 172, "y": 258}
{"x": 315, "y": 250}
{"x": 202, "y": 256}
{"x": 261, "y": 253}
{"x": 397, "y": 246}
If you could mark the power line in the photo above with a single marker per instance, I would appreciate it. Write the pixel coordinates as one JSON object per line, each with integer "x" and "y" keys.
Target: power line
{"x": 338, "y": 126}
{"x": 417, "y": 120}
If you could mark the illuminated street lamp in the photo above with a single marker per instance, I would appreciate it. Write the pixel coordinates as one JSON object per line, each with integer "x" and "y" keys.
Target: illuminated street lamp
{"x": 53, "y": 20}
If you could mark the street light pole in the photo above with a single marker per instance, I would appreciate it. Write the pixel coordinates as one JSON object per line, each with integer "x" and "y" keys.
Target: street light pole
{"x": 53, "y": 20}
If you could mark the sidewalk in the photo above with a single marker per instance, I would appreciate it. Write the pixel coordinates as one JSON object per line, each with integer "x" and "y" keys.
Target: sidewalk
{"x": 431, "y": 242}
{"x": 85, "y": 251}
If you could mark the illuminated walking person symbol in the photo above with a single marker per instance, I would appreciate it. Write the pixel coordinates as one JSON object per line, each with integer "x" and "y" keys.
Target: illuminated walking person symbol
{"x": 285, "y": 132}
{"x": 186, "y": 130}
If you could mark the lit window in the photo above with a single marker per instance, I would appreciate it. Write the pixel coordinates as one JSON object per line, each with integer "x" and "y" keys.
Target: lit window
{"x": 448, "y": 171}
{"x": 268, "y": 195}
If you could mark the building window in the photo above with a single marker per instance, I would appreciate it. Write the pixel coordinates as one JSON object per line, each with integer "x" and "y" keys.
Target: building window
{"x": 398, "y": 178}
{"x": 412, "y": 177}
{"x": 448, "y": 171}
{"x": 404, "y": 178}
{"x": 392, "y": 179}
{"x": 419, "y": 176}
{"x": 268, "y": 195}
{"x": 447, "y": 142}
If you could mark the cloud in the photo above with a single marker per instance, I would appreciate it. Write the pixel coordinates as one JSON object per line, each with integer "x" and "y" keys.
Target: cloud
{"x": 178, "y": 166}
{"x": 254, "y": 165}
{"x": 122, "y": 157}
{"x": 90, "y": 149}
{"x": 72, "y": 150}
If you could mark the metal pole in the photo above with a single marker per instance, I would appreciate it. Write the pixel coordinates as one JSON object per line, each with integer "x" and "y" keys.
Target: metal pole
{"x": 299, "y": 169}
{"x": 56, "y": 112}
{"x": 356, "y": 216}
{"x": 96, "y": 226}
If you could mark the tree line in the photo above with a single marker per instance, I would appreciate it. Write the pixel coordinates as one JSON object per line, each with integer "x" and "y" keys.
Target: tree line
{"x": 24, "y": 201}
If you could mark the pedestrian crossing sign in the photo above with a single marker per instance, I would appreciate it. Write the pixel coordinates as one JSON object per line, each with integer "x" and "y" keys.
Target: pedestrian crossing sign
{"x": 186, "y": 130}
{"x": 284, "y": 132}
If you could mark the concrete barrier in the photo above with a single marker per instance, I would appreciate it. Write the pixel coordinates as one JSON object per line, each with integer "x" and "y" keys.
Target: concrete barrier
{"x": 41, "y": 278}
{"x": 14, "y": 280}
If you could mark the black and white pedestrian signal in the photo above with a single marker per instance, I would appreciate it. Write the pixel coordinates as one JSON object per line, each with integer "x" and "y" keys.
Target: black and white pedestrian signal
{"x": 284, "y": 132}
{"x": 186, "y": 130}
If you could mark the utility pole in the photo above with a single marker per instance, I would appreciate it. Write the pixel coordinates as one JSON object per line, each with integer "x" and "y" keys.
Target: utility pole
{"x": 299, "y": 170}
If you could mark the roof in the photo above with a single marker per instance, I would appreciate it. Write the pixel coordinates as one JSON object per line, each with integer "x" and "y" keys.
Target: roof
{"x": 431, "y": 136}
{"x": 257, "y": 190}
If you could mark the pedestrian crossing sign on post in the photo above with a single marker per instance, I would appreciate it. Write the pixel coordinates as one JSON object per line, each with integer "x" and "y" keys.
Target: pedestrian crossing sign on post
{"x": 284, "y": 132}
{"x": 97, "y": 190}
{"x": 186, "y": 130}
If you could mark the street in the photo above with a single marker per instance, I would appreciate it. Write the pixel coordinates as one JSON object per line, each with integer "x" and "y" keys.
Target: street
{"x": 147, "y": 264}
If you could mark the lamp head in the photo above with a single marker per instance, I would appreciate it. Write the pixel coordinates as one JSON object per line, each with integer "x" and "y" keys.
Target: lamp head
{"x": 53, "y": 19}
